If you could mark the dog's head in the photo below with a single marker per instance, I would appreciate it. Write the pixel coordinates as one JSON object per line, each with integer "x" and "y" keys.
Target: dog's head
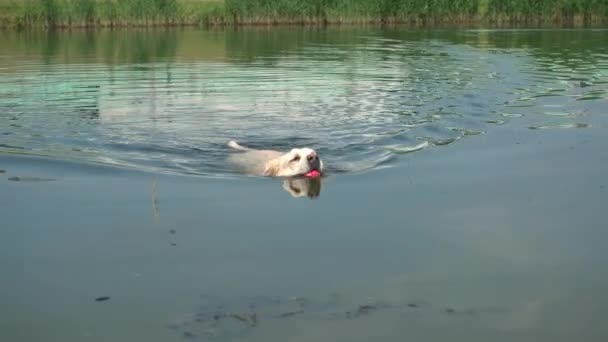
{"x": 297, "y": 162}
{"x": 301, "y": 186}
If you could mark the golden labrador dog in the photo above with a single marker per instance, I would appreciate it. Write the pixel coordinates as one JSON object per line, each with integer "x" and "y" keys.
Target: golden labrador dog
{"x": 297, "y": 162}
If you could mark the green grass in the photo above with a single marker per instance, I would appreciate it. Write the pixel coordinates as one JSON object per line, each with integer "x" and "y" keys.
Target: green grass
{"x": 93, "y": 13}
{"x": 416, "y": 11}
{"x": 109, "y": 13}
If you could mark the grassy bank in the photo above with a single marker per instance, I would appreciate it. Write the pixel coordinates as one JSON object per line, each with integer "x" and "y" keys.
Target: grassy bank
{"x": 418, "y": 11}
{"x": 112, "y": 13}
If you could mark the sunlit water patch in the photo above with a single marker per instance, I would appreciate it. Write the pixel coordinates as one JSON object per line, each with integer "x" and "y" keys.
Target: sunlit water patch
{"x": 361, "y": 99}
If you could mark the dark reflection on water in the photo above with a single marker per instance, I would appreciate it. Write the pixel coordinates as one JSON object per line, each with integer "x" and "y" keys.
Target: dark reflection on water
{"x": 169, "y": 100}
{"x": 299, "y": 187}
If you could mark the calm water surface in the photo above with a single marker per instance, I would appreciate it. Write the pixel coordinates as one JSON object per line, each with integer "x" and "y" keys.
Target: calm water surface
{"x": 466, "y": 197}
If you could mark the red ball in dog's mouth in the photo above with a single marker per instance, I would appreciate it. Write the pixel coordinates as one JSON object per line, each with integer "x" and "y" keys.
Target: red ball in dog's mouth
{"x": 313, "y": 174}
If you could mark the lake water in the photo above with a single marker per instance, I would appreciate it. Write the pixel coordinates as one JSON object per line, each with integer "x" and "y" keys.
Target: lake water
{"x": 465, "y": 197}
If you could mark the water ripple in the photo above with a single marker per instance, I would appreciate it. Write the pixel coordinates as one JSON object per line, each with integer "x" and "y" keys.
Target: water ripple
{"x": 361, "y": 103}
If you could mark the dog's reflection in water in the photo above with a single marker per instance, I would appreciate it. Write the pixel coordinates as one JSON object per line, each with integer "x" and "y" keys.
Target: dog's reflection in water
{"x": 302, "y": 186}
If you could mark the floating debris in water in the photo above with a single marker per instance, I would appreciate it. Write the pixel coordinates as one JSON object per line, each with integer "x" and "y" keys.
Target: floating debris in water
{"x": 365, "y": 309}
{"x": 250, "y": 319}
{"x": 30, "y": 179}
{"x": 2, "y": 171}
{"x": 187, "y": 334}
{"x": 102, "y": 299}
{"x": 12, "y": 147}
{"x": 230, "y": 319}
{"x": 496, "y": 121}
{"x": 292, "y": 313}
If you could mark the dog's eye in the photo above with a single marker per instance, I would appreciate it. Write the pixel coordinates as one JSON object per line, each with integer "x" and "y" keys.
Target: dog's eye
{"x": 296, "y": 158}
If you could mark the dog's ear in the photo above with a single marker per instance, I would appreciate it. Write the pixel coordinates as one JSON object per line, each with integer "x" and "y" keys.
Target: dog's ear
{"x": 271, "y": 168}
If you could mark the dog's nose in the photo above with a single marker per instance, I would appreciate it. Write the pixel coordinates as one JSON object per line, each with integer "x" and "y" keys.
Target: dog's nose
{"x": 312, "y": 157}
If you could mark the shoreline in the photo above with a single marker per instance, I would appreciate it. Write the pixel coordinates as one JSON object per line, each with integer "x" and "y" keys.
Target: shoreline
{"x": 253, "y": 24}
